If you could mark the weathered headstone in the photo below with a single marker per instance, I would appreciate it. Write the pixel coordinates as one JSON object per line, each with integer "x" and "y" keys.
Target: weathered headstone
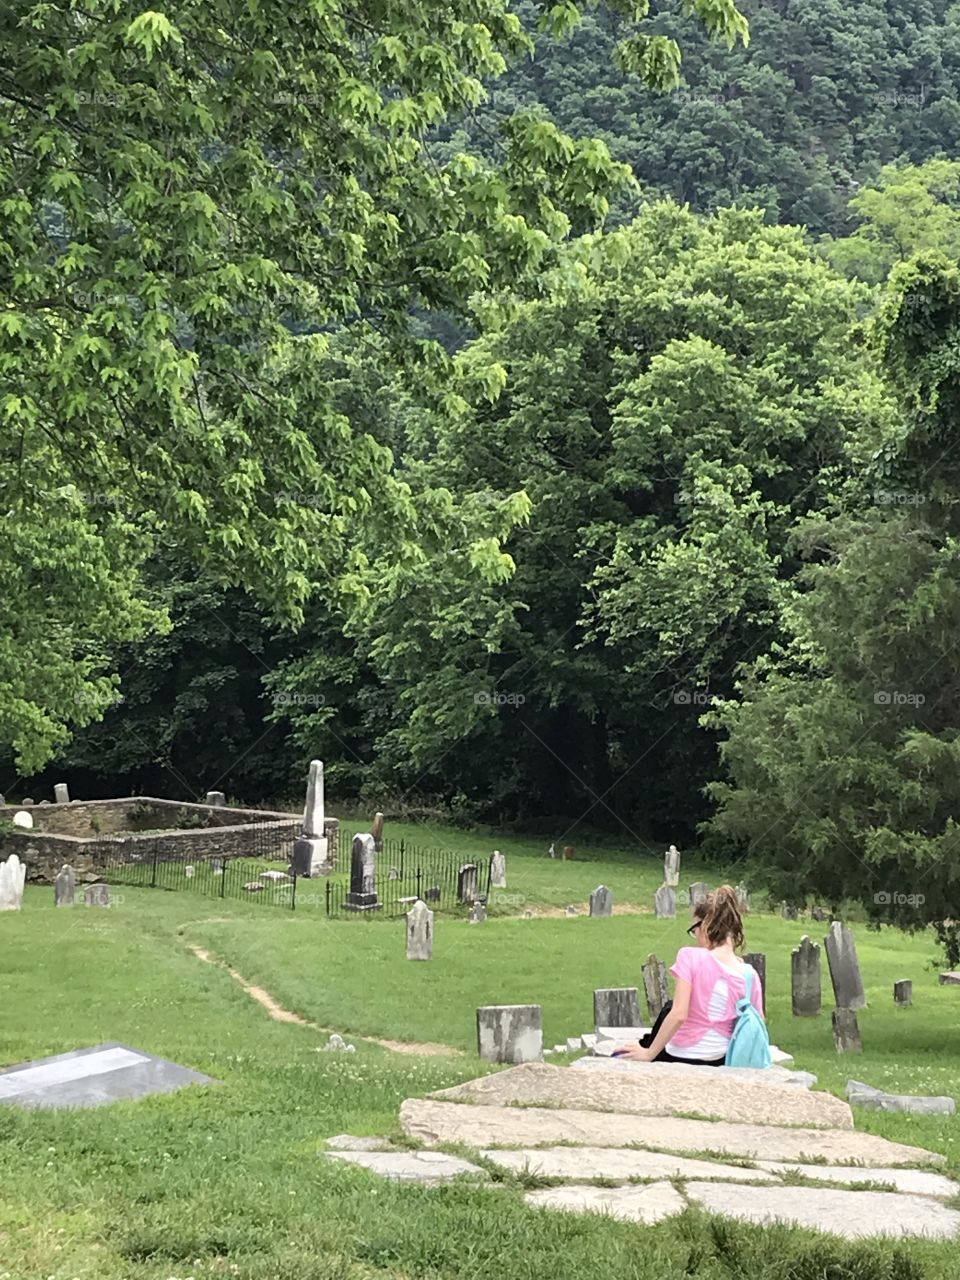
{"x": 844, "y": 968}
{"x": 478, "y": 913}
{"x": 671, "y": 867}
{"x": 819, "y": 914}
{"x": 189, "y": 872}
{"x": 789, "y": 911}
{"x": 568, "y": 852}
{"x": 616, "y": 1007}
{"x": 655, "y": 986}
{"x": 26, "y": 801}
{"x": 311, "y": 852}
{"x": 61, "y": 793}
{"x": 903, "y": 993}
{"x": 498, "y": 870}
{"x": 376, "y": 831}
{"x": 419, "y": 932}
{"x": 698, "y": 892}
{"x": 64, "y": 886}
{"x": 570, "y": 911}
{"x": 432, "y": 894}
{"x": 12, "y": 876}
{"x": 665, "y": 902}
{"x": 467, "y": 883}
{"x": 743, "y": 898}
{"x": 394, "y": 872}
{"x": 363, "y": 875}
{"x": 510, "y": 1033}
{"x": 846, "y": 1033}
{"x": 215, "y": 798}
{"x": 759, "y": 962}
{"x": 3, "y": 799}
{"x": 805, "y": 979}
{"x": 96, "y": 895}
{"x": 601, "y": 901}
{"x": 23, "y": 819}
{"x": 552, "y": 852}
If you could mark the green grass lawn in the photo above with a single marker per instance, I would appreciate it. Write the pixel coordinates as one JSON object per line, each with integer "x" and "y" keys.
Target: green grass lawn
{"x": 227, "y": 1181}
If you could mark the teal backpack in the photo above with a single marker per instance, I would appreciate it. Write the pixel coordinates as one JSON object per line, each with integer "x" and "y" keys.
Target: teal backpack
{"x": 750, "y": 1045}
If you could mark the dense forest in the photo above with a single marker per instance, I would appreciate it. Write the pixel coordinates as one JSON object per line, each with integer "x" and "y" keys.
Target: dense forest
{"x": 658, "y": 538}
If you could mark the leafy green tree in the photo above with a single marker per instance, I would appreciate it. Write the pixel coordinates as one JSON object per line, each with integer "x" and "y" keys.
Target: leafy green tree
{"x": 842, "y": 748}
{"x": 190, "y": 199}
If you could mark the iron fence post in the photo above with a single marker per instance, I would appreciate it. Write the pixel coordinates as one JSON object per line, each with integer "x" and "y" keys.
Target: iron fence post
{"x": 153, "y": 874}
{"x": 328, "y": 888}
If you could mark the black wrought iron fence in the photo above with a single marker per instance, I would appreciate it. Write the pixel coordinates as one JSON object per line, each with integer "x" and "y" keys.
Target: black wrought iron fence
{"x": 404, "y": 872}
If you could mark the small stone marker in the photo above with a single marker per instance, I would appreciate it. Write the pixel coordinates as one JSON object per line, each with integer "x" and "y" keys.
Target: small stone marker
{"x": 27, "y": 800}
{"x": 12, "y": 876}
{"x": 189, "y": 872}
{"x": 665, "y": 902}
{"x": 846, "y": 1033}
{"x": 844, "y": 968}
{"x": 64, "y": 886}
{"x": 759, "y": 962}
{"x": 510, "y": 1033}
{"x": 61, "y": 793}
{"x": 671, "y": 867}
{"x": 601, "y": 901}
{"x": 805, "y": 979}
{"x": 478, "y": 913}
{"x": 96, "y": 895}
{"x": 215, "y": 798}
{"x": 865, "y": 1095}
{"x": 698, "y": 892}
{"x": 23, "y": 819}
{"x": 903, "y": 993}
{"x": 789, "y": 911}
{"x": 945, "y": 979}
{"x": 498, "y": 870}
{"x": 467, "y": 883}
{"x": 743, "y": 898}
{"x": 616, "y": 1007}
{"x": 655, "y": 986}
{"x": 819, "y": 914}
{"x": 571, "y": 910}
{"x": 393, "y": 873}
{"x": 568, "y": 852}
{"x": 419, "y": 932}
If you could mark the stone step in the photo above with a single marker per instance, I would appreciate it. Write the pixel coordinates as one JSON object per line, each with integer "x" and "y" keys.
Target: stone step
{"x": 659, "y": 1090}
{"x": 408, "y": 1166}
{"x": 753, "y": 1075}
{"x": 649, "y": 1204}
{"x": 619, "y": 1164}
{"x": 916, "y": 1182}
{"x": 853, "y": 1214}
{"x": 435, "y": 1122}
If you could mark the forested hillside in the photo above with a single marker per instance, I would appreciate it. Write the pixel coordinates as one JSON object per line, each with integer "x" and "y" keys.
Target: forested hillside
{"x": 827, "y": 92}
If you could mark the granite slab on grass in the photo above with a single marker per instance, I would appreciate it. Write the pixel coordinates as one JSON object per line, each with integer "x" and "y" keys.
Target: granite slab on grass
{"x": 620, "y": 1164}
{"x": 93, "y": 1077}
{"x": 408, "y": 1166}
{"x": 435, "y": 1122}
{"x": 657, "y": 1091}
{"x": 914, "y": 1182}
{"x": 752, "y": 1075}
{"x": 647, "y": 1205}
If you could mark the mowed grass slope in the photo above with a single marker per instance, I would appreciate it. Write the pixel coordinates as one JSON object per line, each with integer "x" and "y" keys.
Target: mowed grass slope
{"x": 227, "y": 1180}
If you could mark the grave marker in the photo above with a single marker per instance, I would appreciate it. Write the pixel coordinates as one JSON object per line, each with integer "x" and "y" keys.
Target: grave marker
{"x": 698, "y": 893}
{"x": 12, "y": 876}
{"x": 903, "y": 993}
{"x": 64, "y": 886}
{"x": 805, "y": 979}
{"x": 215, "y": 798}
{"x": 616, "y": 1007}
{"x": 759, "y": 962}
{"x": 61, "y": 793}
{"x": 844, "y": 968}
{"x": 498, "y": 870}
{"x": 311, "y": 852}
{"x": 601, "y": 901}
{"x": 846, "y": 1033}
{"x": 467, "y": 883}
{"x": 96, "y": 895}
{"x": 478, "y": 913}
{"x": 671, "y": 867}
{"x": 655, "y": 986}
{"x": 419, "y": 932}
{"x": 510, "y": 1033}
{"x": 376, "y": 831}
{"x": 665, "y": 902}
{"x": 789, "y": 911}
{"x": 363, "y": 885}
{"x": 743, "y": 898}
{"x": 23, "y": 819}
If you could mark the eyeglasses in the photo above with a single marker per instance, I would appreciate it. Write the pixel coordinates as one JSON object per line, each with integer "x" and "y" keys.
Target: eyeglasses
{"x": 692, "y": 931}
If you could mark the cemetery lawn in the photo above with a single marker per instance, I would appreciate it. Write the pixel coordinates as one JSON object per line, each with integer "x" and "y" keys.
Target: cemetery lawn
{"x": 228, "y": 1180}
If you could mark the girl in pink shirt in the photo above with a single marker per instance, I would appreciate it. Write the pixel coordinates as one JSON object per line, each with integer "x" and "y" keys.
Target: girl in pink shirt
{"x": 696, "y": 1026}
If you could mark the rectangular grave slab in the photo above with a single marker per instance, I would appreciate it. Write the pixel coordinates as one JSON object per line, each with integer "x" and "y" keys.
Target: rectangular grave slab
{"x": 93, "y": 1077}
{"x": 616, "y": 1007}
{"x": 509, "y": 1033}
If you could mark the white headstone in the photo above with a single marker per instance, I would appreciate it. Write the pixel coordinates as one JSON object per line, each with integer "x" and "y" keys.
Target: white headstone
{"x": 671, "y": 867}
{"x": 419, "y": 932}
{"x": 64, "y": 886}
{"x": 313, "y": 812}
{"x": 23, "y": 819}
{"x": 61, "y": 793}
{"x": 498, "y": 870}
{"x": 12, "y": 876}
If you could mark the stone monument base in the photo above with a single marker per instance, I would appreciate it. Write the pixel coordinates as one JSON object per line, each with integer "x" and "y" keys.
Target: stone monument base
{"x": 310, "y": 857}
{"x": 361, "y": 902}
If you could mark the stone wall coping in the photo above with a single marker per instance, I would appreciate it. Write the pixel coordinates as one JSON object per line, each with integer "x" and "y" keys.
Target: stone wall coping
{"x": 156, "y": 800}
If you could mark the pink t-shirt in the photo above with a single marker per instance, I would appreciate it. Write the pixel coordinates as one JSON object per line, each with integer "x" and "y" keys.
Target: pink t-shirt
{"x": 714, "y": 992}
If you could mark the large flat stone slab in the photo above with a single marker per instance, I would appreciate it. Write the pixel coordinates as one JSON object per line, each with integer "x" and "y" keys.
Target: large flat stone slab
{"x": 93, "y": 1077}
{"x": 408, "y": 1166}
{"x": 648, "y": 1204}
{"x": 658, "y": 1090}
{"x": 752, "y": 1075}
{"x": 435, "y": 1122}
{"x": 853, "y": 1214}
{"x": 915, "y": 1182}
{"x": 619, "y": 1164}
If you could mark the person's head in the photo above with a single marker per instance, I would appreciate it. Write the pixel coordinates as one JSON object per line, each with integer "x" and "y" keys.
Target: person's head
{"x": 716, "y": 920}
